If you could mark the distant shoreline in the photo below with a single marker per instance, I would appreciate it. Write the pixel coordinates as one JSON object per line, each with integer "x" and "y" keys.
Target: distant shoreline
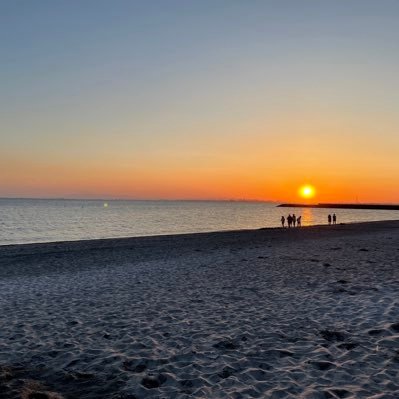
{"x": 388, "y": 207}
{"x": 249, "y": 200}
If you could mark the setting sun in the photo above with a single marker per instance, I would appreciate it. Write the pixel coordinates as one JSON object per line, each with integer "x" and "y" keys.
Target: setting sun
{"x": 307, "y": 191}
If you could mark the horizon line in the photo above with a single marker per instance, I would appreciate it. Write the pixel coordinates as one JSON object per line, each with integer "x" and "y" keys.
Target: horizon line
{"x": 140, "y": 199}
{"x": 192, "y": 200}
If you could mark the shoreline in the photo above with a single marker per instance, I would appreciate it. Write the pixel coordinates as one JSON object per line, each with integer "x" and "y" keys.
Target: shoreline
{"x": 120, "y": 240}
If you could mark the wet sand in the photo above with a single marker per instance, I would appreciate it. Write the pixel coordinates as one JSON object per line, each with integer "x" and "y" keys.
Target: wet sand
{"x": 273, "y": 313}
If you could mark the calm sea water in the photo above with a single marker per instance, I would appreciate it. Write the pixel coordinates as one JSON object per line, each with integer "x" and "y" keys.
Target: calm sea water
{"x": 28, "y": 221}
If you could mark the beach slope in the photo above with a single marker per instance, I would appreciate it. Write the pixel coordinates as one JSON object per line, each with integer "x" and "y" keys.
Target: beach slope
{"x": 299, "y": 313}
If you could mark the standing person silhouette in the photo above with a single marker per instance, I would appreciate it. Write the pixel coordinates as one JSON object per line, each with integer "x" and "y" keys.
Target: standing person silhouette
{"x": 298, "y": 221}
{"x": 329, "y": 219}
{"x": 334, "y": 219}
{"x": 293, "y": 219}
{"x": 289, "y": 220}
{"x": 283, "y": 221}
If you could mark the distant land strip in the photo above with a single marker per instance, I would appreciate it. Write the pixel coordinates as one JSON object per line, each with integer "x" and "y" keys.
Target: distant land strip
{"x": 390, "y": 207}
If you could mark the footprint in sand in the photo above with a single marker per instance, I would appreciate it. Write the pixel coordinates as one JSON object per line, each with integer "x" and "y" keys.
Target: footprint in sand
{"x": 151, "y": 382}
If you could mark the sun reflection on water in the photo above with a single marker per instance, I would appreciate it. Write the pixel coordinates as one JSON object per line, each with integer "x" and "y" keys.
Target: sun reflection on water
{"x": 307, "y": 217}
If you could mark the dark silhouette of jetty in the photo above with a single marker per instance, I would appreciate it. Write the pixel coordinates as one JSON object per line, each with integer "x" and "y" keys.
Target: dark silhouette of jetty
{"x": 390, "y": 207}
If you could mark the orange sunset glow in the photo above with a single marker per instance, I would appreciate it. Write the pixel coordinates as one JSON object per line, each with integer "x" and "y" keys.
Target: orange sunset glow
{"x": 212, "y": 119}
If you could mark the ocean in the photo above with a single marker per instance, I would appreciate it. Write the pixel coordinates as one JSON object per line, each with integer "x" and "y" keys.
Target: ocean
{"x": 44, "y": 220}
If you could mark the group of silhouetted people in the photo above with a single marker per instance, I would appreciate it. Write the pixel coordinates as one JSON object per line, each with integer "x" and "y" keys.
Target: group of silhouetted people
{"x": 333, "y": 218}
{"x": 292, "y": 221}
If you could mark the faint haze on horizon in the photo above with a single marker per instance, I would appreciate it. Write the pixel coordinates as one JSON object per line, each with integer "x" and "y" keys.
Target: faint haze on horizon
{"x": 200, "y": 99}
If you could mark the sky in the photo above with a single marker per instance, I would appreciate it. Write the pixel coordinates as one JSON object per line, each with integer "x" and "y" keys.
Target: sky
{"x": 200, "y": 99}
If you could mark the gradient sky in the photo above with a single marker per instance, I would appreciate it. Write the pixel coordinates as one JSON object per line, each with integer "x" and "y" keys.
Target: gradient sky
{"x": 200, "y": 99}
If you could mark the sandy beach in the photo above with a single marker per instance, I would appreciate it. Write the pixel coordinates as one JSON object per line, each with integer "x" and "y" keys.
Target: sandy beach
{"x": 273, "y": 313}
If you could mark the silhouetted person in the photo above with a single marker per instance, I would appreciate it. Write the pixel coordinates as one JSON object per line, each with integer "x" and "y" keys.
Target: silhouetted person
{"x": 298, "y": 221}
{"x": 334, "y": 219}
{"x": 289, "y": 220}
{"x": 283, "y": 221}
{"x": 293, "y": 219}
{"x": 329, "y": 219}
